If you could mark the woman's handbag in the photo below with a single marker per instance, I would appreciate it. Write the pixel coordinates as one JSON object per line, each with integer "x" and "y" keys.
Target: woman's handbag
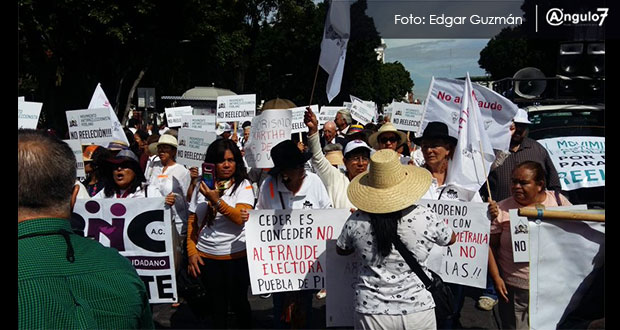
{"x": 442, "y": 295}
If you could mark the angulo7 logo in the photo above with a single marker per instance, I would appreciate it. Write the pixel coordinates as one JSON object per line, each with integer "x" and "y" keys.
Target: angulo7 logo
{"x": 557, "y": 17}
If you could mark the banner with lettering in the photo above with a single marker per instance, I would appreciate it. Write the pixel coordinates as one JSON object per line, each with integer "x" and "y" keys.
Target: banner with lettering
{"x": 286, "y": 248}
{"x": 566, "y": 260}
{"x": 76, "y": 147}
{"x": 327, "y": 114}
{"x": 204, "y": 123}
{"x": 141, "y": 230}
{"x": 407, "y": 117}
{"x": 28, "y": 114}
{"x": 91, "y": 126}
{"x": 465, "y": 261}
{"x": 443, "y": 104}
{"x": 236, "y": 107}
{"x": 298, "y": 124}
{"x": 579, "y": 160}
{"x": 193, "y": 146}
{"x": 270, "y": 128}
{"x": 174, "y": 116}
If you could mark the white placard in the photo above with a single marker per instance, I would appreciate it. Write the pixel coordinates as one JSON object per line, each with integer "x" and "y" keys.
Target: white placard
{"x": 328, "y": 114}
{"x": 579, "y": 160}
{"x": 91, "y": 126}
{"x": 564, "y": 255}
{"x": 28, "y": 114}
{"x": 199, "y": 122}
{"x": 141, "y": 230}
{"x": 286, "y": 248}
{"x": 193, "y": 146}
{"x": 361, "y": 112}
{"x": 407, "y": 117}
{"x": 298, "y": 124}
{"x": 21, "y": 99}
{"x": 76, "y": 146}
{"x": 270, "y": 128}
{"x": 174, "y": 116}
{"x": 238, "y": 108}
{"x": 519, "y": 231}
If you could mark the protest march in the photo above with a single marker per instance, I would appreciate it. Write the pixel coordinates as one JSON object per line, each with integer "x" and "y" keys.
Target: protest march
{"x": 249, "y": 209}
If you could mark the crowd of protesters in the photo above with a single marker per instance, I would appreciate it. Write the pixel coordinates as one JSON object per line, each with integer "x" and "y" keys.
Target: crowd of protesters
{"x": 375, "y": 171}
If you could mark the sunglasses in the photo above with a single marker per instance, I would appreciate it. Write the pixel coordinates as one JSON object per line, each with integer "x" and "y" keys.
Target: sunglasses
{"x": 392, "y": 139}
{"x": 122, "y": 166}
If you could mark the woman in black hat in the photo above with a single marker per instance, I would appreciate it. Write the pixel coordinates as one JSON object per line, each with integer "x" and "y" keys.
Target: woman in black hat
{"x": 125, "y": 179}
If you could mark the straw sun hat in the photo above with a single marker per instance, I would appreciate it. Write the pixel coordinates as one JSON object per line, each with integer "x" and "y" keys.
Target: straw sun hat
{"x": 388, "y": 186}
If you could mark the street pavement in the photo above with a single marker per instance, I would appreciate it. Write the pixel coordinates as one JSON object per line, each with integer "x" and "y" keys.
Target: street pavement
{"x": 182, "y": 317}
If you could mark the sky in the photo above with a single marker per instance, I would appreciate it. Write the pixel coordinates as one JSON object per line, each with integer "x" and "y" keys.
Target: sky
{"x": 445, "y": 58}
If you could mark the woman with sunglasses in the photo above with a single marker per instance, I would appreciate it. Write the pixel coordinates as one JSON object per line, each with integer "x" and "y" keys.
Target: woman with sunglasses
{"x": 125, "y": 178}
{"x": 387, "y": 137}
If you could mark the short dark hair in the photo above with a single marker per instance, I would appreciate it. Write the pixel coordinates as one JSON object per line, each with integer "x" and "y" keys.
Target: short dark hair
{"x": 46, "y": 170}
{"x": 539, "y": 172}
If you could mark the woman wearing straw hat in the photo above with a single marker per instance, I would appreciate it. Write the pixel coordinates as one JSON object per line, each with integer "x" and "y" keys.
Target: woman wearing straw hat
{"x": 388, "y": 294}
{"x": 387, "y": 137}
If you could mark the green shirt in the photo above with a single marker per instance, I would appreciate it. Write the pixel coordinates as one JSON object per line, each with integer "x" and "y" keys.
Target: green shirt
{"x": 100, "y": 289}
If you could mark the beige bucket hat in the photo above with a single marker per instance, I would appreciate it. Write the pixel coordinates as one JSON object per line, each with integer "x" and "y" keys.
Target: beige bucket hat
{"x": 387, "y": 127}
{"x": 388, "y": 186}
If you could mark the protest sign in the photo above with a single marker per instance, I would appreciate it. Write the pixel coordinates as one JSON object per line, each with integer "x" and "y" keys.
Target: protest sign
{"x": 564, "y": 258}
{"x": 141, "y": 230}
{"x": 76, "y": 147}
{"x": 340, "y": 283}
{"x": 91, "y": 126}
{"x": 443, "y": 104}
{"x": 298, "y": 124}
{"x": 361, "y": 112}
{"x": 286, "y": 248}
{"x": 100, "y": 100}
{"x": 193, "y": 146}
{"x": 327, "y": 114}
{"x": 198, "y": 122}
{"x": 519, "y": 231}
{"x": 236, "y": 107}
{"x": 407, "y": 117}
{"x": 579, "y": 160}
{"x": 21, "y": 99}
{"x": 28, "y": 114}
{"x": 465, "y": 261}
{"x": 270, "y": 128}
{"x": 347, "y": 105}
{"x": 174, "y": 116}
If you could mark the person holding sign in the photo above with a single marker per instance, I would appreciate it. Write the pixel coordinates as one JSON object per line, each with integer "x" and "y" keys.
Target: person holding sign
{"x": 66, "y": 281}
{"x": 388, "y": 294}
{"x": 216, "y": 235}
{"x": 125, "y": 179}
{"x": 290, "y": 186}
{"x": 512, "y": 279}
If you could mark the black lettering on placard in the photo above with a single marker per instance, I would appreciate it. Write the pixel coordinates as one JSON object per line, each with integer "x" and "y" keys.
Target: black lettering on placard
{"x": 147, "y": 281}
{"x": 161, "y": 286}
{"x": 136, "y": 231}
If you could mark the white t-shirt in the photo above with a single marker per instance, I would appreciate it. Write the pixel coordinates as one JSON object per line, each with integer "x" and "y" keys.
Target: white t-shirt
{"x": 388, "y": 285}
{"x": 139, "y": 193}
{"x": 224, "y": 237}
{"x": 175, "y": 179}
{"x": 311, "y": 195}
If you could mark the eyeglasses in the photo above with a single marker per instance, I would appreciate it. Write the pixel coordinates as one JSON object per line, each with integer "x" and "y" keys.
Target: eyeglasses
{"x": 385, "y": 140}
{"x": 359, "y": 159}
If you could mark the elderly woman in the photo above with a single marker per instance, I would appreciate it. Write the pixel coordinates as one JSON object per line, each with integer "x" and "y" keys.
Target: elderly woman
{"x": 388, "y": 294}
{"x": 125, "y": 179}
{"x": 512, "y": 279}
{"x": 387, "y": 137}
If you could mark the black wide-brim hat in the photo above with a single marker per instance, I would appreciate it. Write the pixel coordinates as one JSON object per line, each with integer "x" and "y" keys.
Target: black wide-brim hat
{"x": 435, "y": 130}
{"x": 286, "y": 155}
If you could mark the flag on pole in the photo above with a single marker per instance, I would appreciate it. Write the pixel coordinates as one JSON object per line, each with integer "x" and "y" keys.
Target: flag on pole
{"x": 334, "y": 45}
{"x": 473, "y": 154}
{"x": 99, "y": 100}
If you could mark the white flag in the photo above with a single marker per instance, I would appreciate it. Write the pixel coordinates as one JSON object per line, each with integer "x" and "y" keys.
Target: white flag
{"x": 473, "y": 156}
{"x": 334, "y": 45}
{"x": 99, "y": 100}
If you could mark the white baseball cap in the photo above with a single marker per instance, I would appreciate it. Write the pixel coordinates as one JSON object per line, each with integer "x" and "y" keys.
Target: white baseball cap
{"x": 521, "y": 117}
{"x": 354, "y": 144}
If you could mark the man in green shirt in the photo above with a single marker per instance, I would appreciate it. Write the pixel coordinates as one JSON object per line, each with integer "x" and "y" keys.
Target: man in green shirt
{"x": 65, "y": 280}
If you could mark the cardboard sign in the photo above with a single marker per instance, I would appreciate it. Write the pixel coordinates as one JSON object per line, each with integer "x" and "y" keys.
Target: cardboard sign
{"x": 28, "y": 114}
{"x": 407, "y": 117}
{"x": 286, "y": 248}
{"x": 236, "y": 107}
{"x": 579, "y": 160}
{"x": 520, "y": 235}
{"x": 76, "y": 146}
{"x": 443, "y": 104}
{"x": 327, "y": 114}
{"x": 361, "y": 112}
{"x": 564, "y": 257}
{"x": 193, "y": 146}
{"x": 141, "y": 230}
{"x": 174, "y": 116}
{"x": 91, "y": 126}
{"x": 200, "y": 123}
{"x": 298, "y": 124}
{"x": 270, "y": 128}
{"x": 464, "y": 262}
